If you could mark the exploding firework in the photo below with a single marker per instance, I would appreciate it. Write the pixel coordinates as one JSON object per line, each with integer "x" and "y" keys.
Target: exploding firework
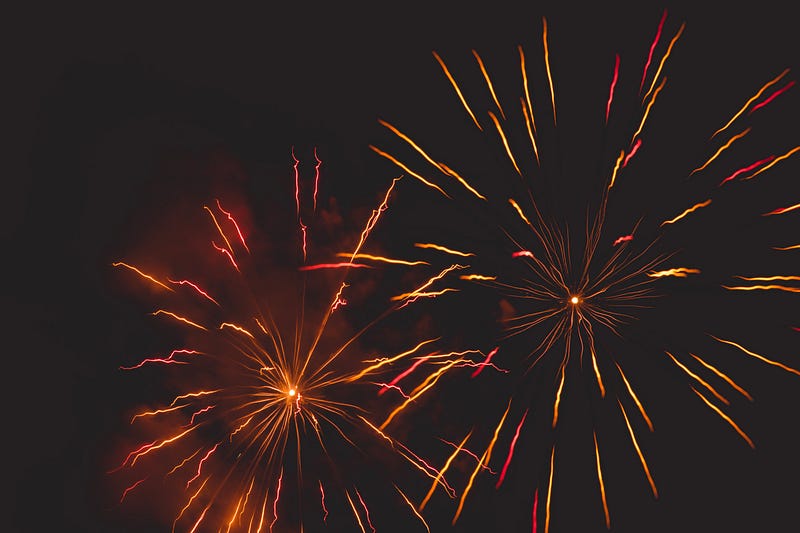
{"x": 272, "y": 418}
{"x": 570, "y": 297}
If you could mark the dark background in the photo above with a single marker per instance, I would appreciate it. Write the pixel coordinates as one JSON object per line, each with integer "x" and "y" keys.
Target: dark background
{"x": 109, "y": 108}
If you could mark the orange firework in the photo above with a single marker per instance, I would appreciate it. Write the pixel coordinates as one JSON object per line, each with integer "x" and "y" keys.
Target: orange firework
{"x": 568, "y": 294}
{"x": 268, "y": 390}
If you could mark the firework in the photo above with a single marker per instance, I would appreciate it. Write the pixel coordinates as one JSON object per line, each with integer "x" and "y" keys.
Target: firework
{"x": 272, "y": 421}
{"x": 571, "y": 296}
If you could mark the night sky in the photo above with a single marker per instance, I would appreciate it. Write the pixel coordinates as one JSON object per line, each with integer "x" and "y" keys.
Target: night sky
{"x": 124, "y": 118}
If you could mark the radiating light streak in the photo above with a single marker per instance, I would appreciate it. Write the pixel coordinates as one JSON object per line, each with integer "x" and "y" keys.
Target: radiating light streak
{"x": 405, "y": 373}
{"x": 189, "y": 503}
{"x": 638, "y": 451}
{"x": 720, "y": 150}
{"x": 487, "y": 454}
{"x": 485, "y": 362}
{"x": 600, "y": 479}
{"x": 680, "y": 272}
{"x": 617, "y": 166}
{"x": 177, "y": 317}
{"x": 355, "y": 512}
{"x": 635, "y": 398}
{"x": 227, "y": 253}
{"x": 549, "y": 493}
{"x": 196, "y": 413}
{"x": 366, "y": 511}
{"x": 344, "y": 264}
{"x": 322, "y": 498}
{"x": 200, "y": 465}
{"x": 477, "y": 277}
{"x": 775, "y": 161}
{"x": 146, "y": 276}
{"x": 126, "y": 491}
{"x": 751, "y": 100}
{"x": 757, "y": 356}
{"x": 408, "y": 170}
{"x": 275, "y": 502}
{"x": 240, "y": 329}
{"x": 511, "y": 451}
{"x": 782, "y": 210}
{"x": 179, "y": 465}
{"x": 785, "y": 248}
{"x": 634, "y": 149}
{"x": 166, "y": 360}
{"x": 624, "y": 238}
{"x": 726, "y": 418}
{"x": 296, "y": 181}
{"x": 698, "y": 379}
{"x": 647, "y": 109}
{"x": 613, "y": 85}
{"x": 746, "y": 169}
{"x": 420, "y": 291}
{"x": 522, "y": 253}
{"x": 444, "y": 249}
{"x": 411, "y": 505}
{"x": 505, "y": 142}
{"x": 652, "y": 48}
{"x": 784, "y": 288}
{"x": 458, "y": 91}
{"x": 528, "y": 124}
{"x": 235, "y": 225}
{"x": 442, "y": 472}
{"x": 471, "y": 454}
{"x": 558, "y": 395}
{"x": 772, "y": 96}
{"x": 439, "y": 165}
{"x": 690, "y": 210}
{"x": 195, "y": 287}
{"x": 382, "y": 259}
{"x": 316, "y": 177}
{"x": 664, "y": 60}
{"x": 723, "y": 376}
{"x": 529, "y": 117}
{"x": 488, "y": 82}
{"x": 547, "y": 67}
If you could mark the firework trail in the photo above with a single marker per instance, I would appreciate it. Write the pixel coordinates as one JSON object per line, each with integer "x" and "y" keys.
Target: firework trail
{"x": 573, "y": 295}
{"x": 274, "y": 409}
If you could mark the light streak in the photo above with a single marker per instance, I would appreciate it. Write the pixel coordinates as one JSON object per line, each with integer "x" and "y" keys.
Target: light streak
{"x": 443, "y": 249}
{"x": 146, "y": 276}
{"x": 652, "y": 49}
{"x": 782, "y": 210}
{"x": 692, "y": 209}
{"x": 774, "y": 161}
{"x": 458, "y": 91}
{"x": 613, "y": 85}
{"x": 680, "y": 272}
{"x": 487, "y": 454}
{"x": 510, "y": 451}
{"x": 720, "y": 150}
{"x": 751, "y": 100}
{"x": 382, "y": 259}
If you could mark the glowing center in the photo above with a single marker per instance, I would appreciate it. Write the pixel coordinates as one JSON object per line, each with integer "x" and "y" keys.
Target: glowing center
{"x": 292, "y": 392}
{"x": 574, "y": 300}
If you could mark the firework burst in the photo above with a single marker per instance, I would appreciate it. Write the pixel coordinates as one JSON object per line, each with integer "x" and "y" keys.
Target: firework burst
{"x": 271, "y": 423}
{"x": 569, "y": 297}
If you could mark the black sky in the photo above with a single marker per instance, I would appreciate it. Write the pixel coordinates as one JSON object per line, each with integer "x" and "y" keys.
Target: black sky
{"x": 115, "y": 112}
